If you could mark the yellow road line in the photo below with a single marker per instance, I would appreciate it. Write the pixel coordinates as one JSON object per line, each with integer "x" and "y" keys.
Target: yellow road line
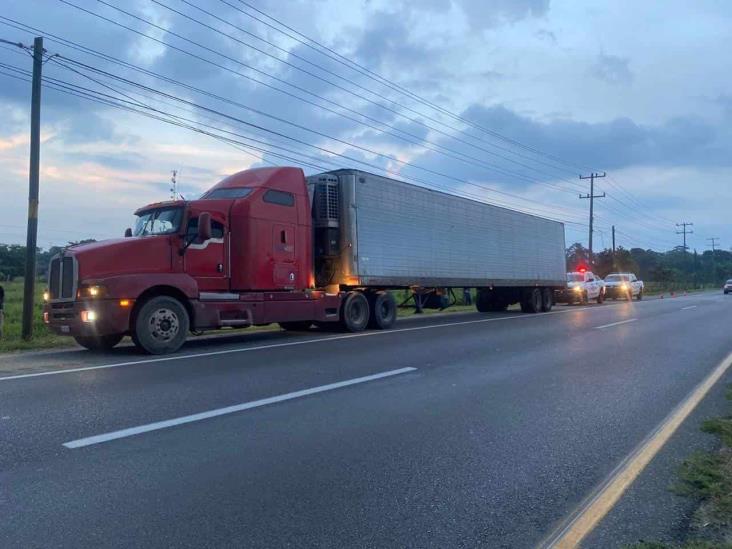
{"x": 592, "y": 511}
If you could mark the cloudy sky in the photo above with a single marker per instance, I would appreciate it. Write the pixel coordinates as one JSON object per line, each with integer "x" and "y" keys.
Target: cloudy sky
{"x": 506, "y": 101}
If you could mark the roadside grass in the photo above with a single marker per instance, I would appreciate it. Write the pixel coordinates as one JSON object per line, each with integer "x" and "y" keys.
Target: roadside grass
{"x": 42, "y": 337}
{"x": 707, "y": 478}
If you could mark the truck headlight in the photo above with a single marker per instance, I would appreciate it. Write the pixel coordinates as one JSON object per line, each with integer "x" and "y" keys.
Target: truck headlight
{"x": 623, "y": 286}
{"x": 88, "y": 316}
{"x": 91, "y": 291}
{"x": 46, "y": 295}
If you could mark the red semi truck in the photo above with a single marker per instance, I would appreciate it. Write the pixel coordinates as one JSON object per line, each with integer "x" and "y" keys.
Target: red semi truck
{"x": 270, "y": 245}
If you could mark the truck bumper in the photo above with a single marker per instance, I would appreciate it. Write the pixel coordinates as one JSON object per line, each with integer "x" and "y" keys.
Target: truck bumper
{"x": 65, "y": 318}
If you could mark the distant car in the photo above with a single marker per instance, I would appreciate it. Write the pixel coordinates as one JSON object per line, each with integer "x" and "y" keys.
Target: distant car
{"x": 582, "y": 286}
{"x": 727, "y": 286}
{"x": 623, "y": 286}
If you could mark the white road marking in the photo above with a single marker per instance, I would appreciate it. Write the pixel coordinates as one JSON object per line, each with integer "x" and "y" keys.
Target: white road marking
{"x": 285, "y": 344}
{"x": 158, "y": 425}
{"x": 689, "y": 307}
{"x": 596, "y": 506}
{"x": 615, "y": 323}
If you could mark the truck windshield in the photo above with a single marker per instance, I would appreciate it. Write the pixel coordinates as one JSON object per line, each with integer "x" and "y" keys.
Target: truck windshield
{"x": 158, "y": 221}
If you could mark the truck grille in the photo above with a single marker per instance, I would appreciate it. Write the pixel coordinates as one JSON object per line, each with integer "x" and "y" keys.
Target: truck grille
{"x": 62, "y": 278}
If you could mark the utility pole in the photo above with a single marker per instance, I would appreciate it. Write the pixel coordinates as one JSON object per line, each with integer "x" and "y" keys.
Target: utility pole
{"x": 592, "y": 197}
{"x": 35, "y": 157}
{"x": 613, "y": 247}
{"x": 714, "y": 244}
{"x": 685, "y": 231}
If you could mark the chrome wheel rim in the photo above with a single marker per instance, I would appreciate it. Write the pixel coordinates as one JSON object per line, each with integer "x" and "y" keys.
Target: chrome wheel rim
{"x": 164, "y": 325}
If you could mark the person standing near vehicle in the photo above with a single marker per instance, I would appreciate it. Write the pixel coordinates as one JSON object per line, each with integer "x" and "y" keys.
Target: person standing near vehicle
{"x": 2, "y": 310}
{"x": 467, "y": 298}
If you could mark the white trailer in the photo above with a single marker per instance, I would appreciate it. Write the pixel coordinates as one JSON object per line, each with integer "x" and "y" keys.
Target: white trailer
{"x": 376, "y": 232}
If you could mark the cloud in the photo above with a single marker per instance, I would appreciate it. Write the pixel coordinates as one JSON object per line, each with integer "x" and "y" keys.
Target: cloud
{"x": 482, "y": 14}
{"x": 612, "y": 69}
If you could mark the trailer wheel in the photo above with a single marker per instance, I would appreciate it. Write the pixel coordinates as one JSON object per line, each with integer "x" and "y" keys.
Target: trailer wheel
{"x": 531, "y": 303}
{"x": 161, "y": 325}
{"x": 354, "y": 312}
{"x": 383, "y": 310}
{"x": 99, "y": 343}
{"x": 296, "y": 326}
{"x": 547, "y": 299}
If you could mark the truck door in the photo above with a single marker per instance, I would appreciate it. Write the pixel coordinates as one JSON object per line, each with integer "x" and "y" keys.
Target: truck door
{"x": 283, "y": 252}
{"x": 207, "y": 261}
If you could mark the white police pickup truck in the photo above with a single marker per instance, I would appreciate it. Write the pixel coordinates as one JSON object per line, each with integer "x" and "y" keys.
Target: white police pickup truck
{"x": 623, "y": 286}
{"x": 582, "y": 286}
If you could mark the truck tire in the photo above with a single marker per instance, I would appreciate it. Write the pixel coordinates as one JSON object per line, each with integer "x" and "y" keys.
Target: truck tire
{"x": 600, "y": 298}
{"x": 99, "y": 343}
{"x": 383, "y": 311}
{"x": 161, "y": 325}
{"x": 296, "y": 325}
{"x": 354, "y": 312}
{"x": 547, "y": 299}
{"x": 531, "y": 302}
{"x": 639, "y": 296}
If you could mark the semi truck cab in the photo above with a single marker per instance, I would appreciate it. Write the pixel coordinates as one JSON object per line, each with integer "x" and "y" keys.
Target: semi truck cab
{"x": 239, "y": 255}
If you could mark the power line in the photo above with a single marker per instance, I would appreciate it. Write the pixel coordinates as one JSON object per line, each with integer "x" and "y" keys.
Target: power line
{"x": 353, "y": 65}
{"x": 85, "y": 94}
{"x": 285, "y": 82}
{"x": 305, "y": 143}
{"x": 109, "y": 58}
{"x": 328, "y": 71}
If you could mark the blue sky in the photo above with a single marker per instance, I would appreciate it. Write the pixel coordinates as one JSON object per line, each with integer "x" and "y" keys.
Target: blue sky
{"x": 641, "y": 90}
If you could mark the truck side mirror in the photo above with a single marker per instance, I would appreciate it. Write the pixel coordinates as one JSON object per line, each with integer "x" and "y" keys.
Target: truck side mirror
{"x": 128, "y": 232}
{"x": 204, "y": 226}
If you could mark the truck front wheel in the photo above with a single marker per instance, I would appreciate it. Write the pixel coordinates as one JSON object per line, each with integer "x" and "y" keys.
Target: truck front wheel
{"x": 99, "y": 343}
{"x": 161, "y": 325}
{"x": 354, "y": 312}
{"x": 383, "y": 311}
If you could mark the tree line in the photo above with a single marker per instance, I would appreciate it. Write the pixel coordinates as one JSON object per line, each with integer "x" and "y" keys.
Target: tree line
{"x": 674, "y": 268}
{"x": 12, "y": 259}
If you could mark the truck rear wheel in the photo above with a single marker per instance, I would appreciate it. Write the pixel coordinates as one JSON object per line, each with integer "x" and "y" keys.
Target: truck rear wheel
{"x": 99, "y": 343}
{"x": 547, "y": 299}
{"x": 383, "y": 311}
{"x": 354, "y": 312}
{"x": 531, "y": 302}
{"x": 161, "y": 325}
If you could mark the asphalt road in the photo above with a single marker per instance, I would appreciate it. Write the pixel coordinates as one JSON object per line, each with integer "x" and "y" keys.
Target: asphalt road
{"x": 461, "y": 430}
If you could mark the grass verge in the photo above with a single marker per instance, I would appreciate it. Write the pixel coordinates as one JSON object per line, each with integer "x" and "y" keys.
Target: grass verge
{"x": 707, "y": 478}
{"x": 42, "y": 337}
